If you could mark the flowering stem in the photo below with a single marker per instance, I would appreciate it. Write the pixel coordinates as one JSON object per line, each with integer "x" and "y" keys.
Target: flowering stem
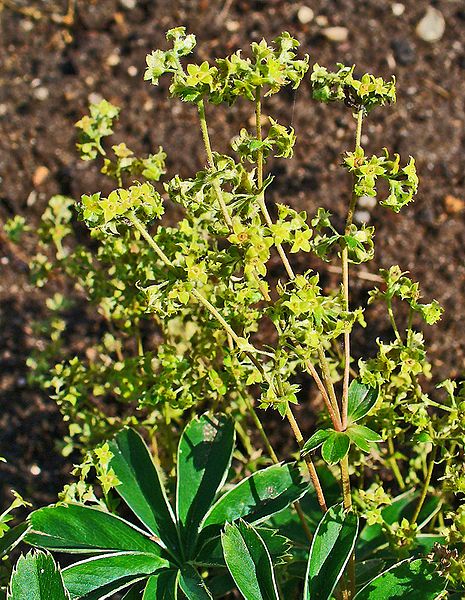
{"x": 308, "y": 461}
{"x": 261, "y": 197}
{"x": 345, "y": 283}
{"x": 211, "y": 162}
{"x": 335, "y": 417}
{"x": 424, "y": 492}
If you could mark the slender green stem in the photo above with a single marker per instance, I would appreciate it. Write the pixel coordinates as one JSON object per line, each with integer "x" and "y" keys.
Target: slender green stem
{"x": 394, "y": 465}
{"x": 261, "y": 197}
{"x": 393, "y": 320}
{"x": 324, "y": 364}
{"x": 349, "y": 587}
{"x": 335, "y": 417}
{"x": 346, "y": 494}
{"x": 211, "y": 163}
{"x": 258, "y": 424}
{"x": 427, "y": 481}
{"x": 149, "y": 239}
{"x": 308, "y": 461}
{"x": 205, "y": 134}
{"x": 345, "y": 283}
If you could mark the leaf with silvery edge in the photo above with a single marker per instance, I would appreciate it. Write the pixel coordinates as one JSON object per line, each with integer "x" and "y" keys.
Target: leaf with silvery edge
{"x": 279, "y": 547}
{"x": 37, "y": 577}
{"x": 361, "y": 400}
{"x": 101, "y": 576}
{"x": 204, "y": 456}
{"x": 363, "y": 437}
{"x": 80, "y": 529}
{"x": 12, "y": 537}
{"x": 332, "y": 545}
{"x": 162, "y": 586}
{"x": 192, "y": 584}
{"x": 258, "y": 496}
{"x": 335, "y": 447}
{"x": 141, "y": 486}
{"x": 249, "y": 562}
{"x": 412, "y": 579}
{"x": 317, "y": 439}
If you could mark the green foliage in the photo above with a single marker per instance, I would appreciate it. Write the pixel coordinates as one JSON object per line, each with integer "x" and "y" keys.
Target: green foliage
{"x": 361, "y": 94}
{"x": 193, "y": 316}
{"x": 249, "y": 562}
{"x": 37, "y": 577}
{"x": 173, "y": 540}
{"x": 330, "y": 551}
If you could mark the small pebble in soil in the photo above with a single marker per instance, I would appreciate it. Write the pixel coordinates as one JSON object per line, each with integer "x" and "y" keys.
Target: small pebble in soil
{"x": 113, "y": 60}
{"x": 132, "y": 71}
{"x": 367, "y": 202}
{"x": 40, "y": 175}
{"x": 232, "y": 26}
{"x": 94, "y": 98}
{"x": 398, "y": 9}
{"x": 432, "y": 26}
{"x": 129, "y": 4}
{"x": 35, "y": 470}
{"x": 321, "y": 20}
{"x": 336, "y": 34}
{"x": 362, "y": 216}
{"x": 305, "y": 15}
{"x": 404, "y": 52}
{"x": 27, "y": 25}
{"x": 41, "y": 93}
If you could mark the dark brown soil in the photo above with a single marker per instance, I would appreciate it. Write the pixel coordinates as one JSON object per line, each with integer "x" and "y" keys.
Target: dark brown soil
{"x": 50, "y": 72}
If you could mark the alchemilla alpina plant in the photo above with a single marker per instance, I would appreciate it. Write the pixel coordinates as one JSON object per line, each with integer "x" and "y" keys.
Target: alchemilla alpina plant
{"x": 372, "y": 509}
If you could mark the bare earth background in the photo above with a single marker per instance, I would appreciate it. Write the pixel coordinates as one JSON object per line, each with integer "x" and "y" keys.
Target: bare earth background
{"x": 50, "y": 72}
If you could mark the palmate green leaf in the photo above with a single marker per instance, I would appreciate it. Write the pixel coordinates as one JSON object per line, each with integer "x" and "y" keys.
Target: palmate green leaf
{"x": 141, "y": 486}
{"x": 101, "y": 576}
{"x": 412, "y": 579}
{"x": 204, "y": 456}
{"x": 317, "y": 439}
{"x": 192, "y": 584}
{"x": 83, "y": 530}
{"x": 249, "y": 562}
{"x": 258, "y": 496}
{"x": 162, "y": 586}
{"x": 278, "y": 546}
{"x": 335, "y": 447}
{"x": 363, "y": 437}
{"x": 37, "y": 577}
{"x": 361, "y": 400}
{"x": 332, "y": 545}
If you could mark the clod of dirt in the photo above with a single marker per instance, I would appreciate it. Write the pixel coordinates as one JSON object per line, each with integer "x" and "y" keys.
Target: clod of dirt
{"x": 404, "y": 52}
{"x": 432, "y": 26}
{"x": 453, "y": 205}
